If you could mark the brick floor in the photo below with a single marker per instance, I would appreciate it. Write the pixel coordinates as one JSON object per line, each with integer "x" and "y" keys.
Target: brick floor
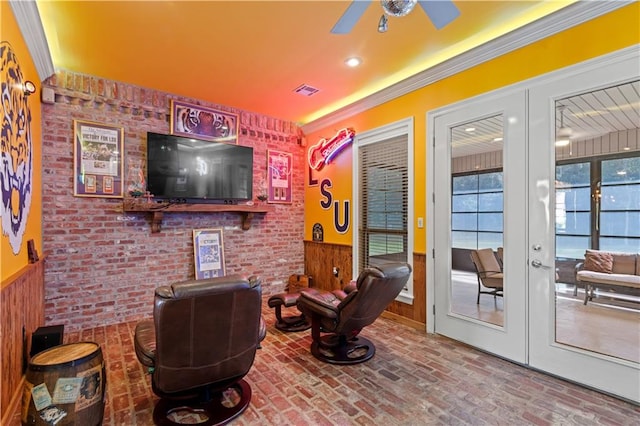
{"x": 414, "y": 379}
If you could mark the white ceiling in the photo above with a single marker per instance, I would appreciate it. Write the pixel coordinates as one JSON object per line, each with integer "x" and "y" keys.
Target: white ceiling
{"x": 588, "y": 115}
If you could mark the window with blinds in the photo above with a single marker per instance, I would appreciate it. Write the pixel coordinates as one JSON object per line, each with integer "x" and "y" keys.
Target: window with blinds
{"x": 383, "y": 222}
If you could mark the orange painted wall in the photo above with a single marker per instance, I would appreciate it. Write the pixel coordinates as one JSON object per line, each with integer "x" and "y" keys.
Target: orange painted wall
{"x": 614, "y": 31}
{"x": 10, "y": 262}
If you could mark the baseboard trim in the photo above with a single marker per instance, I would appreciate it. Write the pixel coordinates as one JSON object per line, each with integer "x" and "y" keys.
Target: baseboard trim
{"x": 404, "y": 321}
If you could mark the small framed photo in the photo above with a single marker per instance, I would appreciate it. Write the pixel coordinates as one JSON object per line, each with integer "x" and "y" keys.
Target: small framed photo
{"x": 279, "y": 176}
{"x": 208, "y": 252}
{"x": 203, "y": 123}
{"x": 97, "y": 159}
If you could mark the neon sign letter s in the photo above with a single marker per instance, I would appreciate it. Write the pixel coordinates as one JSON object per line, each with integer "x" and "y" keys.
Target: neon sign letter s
{"x": 326, "y": 183}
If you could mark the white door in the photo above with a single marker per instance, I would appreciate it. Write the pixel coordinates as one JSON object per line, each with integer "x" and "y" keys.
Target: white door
{"x": 478, "y": 183}
{"x": 585, "y": 193}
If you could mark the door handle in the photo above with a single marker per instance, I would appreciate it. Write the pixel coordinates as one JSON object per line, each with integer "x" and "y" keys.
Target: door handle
{"x": 538, "y": 264}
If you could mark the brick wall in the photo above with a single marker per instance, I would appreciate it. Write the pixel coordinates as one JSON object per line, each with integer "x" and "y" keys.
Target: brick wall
{"x": 103, "y": 265}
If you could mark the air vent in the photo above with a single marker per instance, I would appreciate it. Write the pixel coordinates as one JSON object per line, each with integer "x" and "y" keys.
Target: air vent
{"x": 306, "y": 90}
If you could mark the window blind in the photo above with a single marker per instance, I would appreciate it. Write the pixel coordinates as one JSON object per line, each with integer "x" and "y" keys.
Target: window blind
{"x": 384, "y": 176}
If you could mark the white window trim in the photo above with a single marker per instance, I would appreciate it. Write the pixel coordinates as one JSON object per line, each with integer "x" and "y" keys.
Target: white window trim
{"x": 398, "y": 128}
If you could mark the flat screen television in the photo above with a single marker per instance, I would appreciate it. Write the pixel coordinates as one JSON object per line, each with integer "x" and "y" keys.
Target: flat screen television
{"x": 191, "y": 170}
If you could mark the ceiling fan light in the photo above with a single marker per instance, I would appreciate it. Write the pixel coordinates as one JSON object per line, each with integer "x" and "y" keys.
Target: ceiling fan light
{"x": 564, "y": 132}
{"x": 398, "y": 7}
{"x": 563, "y": 136}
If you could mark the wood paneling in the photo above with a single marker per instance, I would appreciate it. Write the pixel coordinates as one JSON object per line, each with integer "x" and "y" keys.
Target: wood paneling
{"x": 320, "y": 258}
{"x": 475, "y": 162}
{"x": 611, "y": 143}
{"x": 22, "y": 301}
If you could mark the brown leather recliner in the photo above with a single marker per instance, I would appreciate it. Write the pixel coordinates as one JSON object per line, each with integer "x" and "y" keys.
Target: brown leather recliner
{"x": 200, "y": 344}
{"x": 344, "y": 313}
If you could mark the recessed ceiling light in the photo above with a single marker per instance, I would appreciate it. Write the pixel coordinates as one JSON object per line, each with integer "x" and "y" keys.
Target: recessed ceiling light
{"x": 470, "y": 129}
{"x": 497, "y": 139}
{"x": 353, "y": 62}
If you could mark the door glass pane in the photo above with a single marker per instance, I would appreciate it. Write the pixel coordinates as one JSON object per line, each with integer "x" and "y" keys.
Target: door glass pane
{"x": 477, "y": 205}
{"x": 597, "y": 207}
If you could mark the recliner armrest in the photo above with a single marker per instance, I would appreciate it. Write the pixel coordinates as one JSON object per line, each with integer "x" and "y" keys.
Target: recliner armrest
{"x": 353, "y": 285}
{"x": 348, "y": 289}
{"x": 145, "y": 342}
{"x": 320, "y": 302}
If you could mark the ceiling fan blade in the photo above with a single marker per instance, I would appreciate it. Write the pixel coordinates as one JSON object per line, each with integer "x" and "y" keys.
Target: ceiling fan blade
{"x": 441, "y": 13}
{"x": 350, "y": 16}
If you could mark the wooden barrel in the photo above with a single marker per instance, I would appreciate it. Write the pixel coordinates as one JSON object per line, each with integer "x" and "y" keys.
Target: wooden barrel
{"x": 65, "y": 385}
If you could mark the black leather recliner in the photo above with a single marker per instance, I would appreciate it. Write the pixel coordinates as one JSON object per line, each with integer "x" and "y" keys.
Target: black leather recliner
{"x": 200, "y": 344}
{"x": 344, "y": 313}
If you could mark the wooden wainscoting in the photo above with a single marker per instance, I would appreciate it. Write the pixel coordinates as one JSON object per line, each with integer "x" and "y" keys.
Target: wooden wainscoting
{"x": 22, "y": 301}
{"x": 320, "y": 258}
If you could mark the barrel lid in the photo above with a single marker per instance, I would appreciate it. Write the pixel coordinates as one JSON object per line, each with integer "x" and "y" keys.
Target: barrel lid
{"x": 64, "y": 353}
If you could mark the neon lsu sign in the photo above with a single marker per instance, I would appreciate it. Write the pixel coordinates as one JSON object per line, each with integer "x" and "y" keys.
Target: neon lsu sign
{"x": 320, "y": 154}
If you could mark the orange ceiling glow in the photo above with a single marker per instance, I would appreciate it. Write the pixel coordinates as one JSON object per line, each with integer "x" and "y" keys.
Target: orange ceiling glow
{"x": 252, "y": 55}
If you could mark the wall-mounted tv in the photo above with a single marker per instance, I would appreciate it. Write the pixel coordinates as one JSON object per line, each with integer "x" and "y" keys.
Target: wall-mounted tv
{"x": 191, "y": 170}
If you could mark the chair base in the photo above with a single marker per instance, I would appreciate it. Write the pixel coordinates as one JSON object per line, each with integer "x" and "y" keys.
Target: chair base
{"x": 220, "y": 409}
{"x": 495, "y": 293}
{"x": 335, "y": 349}
{"x": 293, "y": 323}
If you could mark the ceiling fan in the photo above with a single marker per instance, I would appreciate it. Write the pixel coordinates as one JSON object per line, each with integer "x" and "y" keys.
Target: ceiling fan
{"x": 440, "y": 12}
{"x": 563, "y": 134}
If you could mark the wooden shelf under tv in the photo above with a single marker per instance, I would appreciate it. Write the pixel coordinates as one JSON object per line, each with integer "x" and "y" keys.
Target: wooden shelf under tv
{"x": 157, "y": 210}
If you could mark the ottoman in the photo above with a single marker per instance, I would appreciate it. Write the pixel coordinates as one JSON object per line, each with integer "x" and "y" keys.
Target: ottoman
{"x": 290, "y": 323}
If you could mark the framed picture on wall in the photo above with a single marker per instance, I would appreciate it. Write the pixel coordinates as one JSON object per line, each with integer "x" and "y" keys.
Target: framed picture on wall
{"x": 97, "y": 159}
{"x": 279, "y": 176}
{"x": 203, "y": 123}
{"x": 208, "y": 252}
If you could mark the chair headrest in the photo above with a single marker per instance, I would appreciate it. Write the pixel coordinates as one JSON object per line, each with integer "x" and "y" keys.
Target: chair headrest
{"x": 390, "y": 270}
{"x": 193, "y": 288}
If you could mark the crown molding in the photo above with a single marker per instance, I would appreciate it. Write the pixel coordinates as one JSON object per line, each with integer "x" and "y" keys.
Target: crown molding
{"x": 570, "y": 16}
{"x": 28, "y": 18}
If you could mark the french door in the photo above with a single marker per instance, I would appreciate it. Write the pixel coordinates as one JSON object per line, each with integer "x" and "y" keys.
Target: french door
{"x": 520, "y": 197}
{"x": 478, "y": 182}
{"x": 597, "y": 344}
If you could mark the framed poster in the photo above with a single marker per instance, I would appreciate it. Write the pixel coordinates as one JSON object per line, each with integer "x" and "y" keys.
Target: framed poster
{"x": 279, "y": 175}
{"x": 203, "y": 123}
{"x": 208, "y": 252}
{"x": 97, "y": 159}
